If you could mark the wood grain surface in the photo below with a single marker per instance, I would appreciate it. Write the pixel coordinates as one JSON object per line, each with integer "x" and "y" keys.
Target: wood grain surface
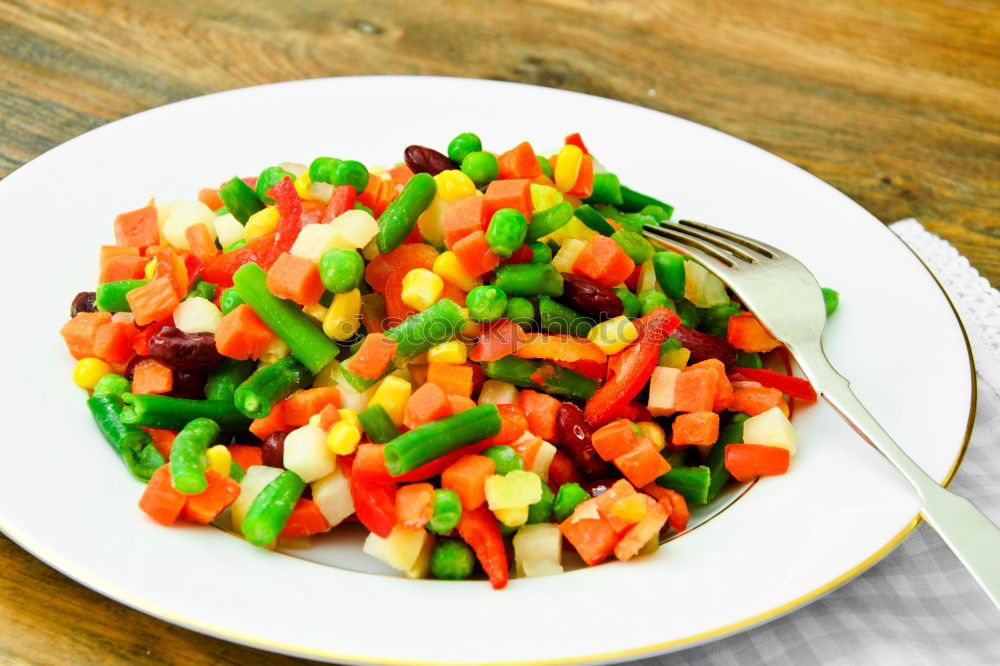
{"x": 897, "y": 104}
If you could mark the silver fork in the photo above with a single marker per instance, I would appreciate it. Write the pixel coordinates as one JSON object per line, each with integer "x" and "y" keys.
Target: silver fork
{"x": 787, "y": 300}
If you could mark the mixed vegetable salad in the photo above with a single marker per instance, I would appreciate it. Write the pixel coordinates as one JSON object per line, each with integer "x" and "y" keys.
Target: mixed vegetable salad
{"x": 471, "y": 354}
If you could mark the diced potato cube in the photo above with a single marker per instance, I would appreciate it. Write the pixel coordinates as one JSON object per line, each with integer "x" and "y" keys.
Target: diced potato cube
{"x": 306, "y": 453}
{"x": 332, "y": 495}
{"x": 180, "y": 215}
{"x": 496, "y": 392}
{"x": 661, "y": 391}
{"x": 537, "y": 543}
{"x": 255, "y": 480}
{"x": 770, "y": 428}
{"x": 197, "y": 315}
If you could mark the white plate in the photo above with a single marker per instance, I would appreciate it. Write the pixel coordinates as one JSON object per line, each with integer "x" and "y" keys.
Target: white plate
{"x": 65, "y": 497}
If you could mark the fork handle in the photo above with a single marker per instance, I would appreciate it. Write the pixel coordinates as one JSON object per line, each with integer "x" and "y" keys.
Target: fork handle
{"x": 973, "y": 537}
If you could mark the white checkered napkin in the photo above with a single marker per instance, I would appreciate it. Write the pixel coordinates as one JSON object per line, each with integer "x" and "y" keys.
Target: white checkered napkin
{"x": 918, "y": 605}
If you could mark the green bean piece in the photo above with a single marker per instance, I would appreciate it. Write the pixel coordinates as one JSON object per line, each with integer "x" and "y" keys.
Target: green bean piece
{"x": 377, "y": 424}
{"x": 235, "y": 245}
{"x": 505, "y": 459}
{"x": 271, "y": 509}
{"x": 360, "y": 206}
{"x": 541, "y": 253}
{"x": 224, "y": 380}
{"x": 481, "y": 167}
{"x": 110, "y": 296}
{"x": 128, "y": 441}
{"x": 188, "y": 463}
{"x": 520, "y": 311}
{"x": 396, "y": 223}
{"x": 350, "y": 172}
{"x": 689, "y": 313}
{"x": 236, "y": 472}
{"x": 147, "y": 462}
{"x": 202, "y": 289}
{"x": 555, "y": 379}
{"x": 462, "y": 145}
{"x": 541, "y": 511}
{"x": 304, "y": 337}
{"x": 831, "y": 299}
{"x": 222, "y": 210}
{"x": 560, "y": 319}
{"x": 169, "y": 413}
{"x": 269, "y": 385}
{"x": 529, "y": 280}
{"x": 433, "y": 440}
{"x": 633, "y": 202}
{"x": 669, "y": 269}
{"x": 240, "y": 199}
{"x": 691, "y": 482}
{"x": 593, "y": 219}
{"x": 567, "y": 499}
{"x": 658, "y": 213}
{"x": 748, "y": 360}
{"x": 486, "y": 303}
{"x": 230, "y": 300}
{"x": 716, "y": 459}
{"x": 715, "y": 320}
{"x": 545, "y": 164}
{"x": 544, "y": 222}
{"x": 341, "y": 269}
{"x": 630, "y": 302}
{"x": 635, "y": 246}
{"x": 506, "y": 231}
{"x": 451, "y": 559}
{"x": 739, "y": 417}
{"x": 447, "y": 511}
{"x": 321, "y": 169}
{"x": 112, "y": 384}
{"x": 607, "y": 190}
{"x": 268, "y": 178}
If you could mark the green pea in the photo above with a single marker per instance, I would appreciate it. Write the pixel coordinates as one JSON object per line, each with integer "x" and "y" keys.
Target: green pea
{"x": 350, "y": 172}
{"x": 659, "y": 213}
{"x": 541, "y": 511}
{"x": 831, "y": 299}
{"x": 341, "y": 269}
{"x": 235, "y": 245}
{"x": 689, "y": 313}
{"x": 481, "y": 167}
{"x": 361, "y": 206}
{"x": 506, "y": 232}
{"x": 669, "y": 269}
{"x": 268, "y": 178}
{"x": 630, "y": 303}
{"x": 230, "y": 300}
{"x": 112, "y": 384}
{"x": 651, "y": 299}
{"x": 541, "y": 253}
{"x": 204, "y": 289}
{"x": 545, "y": 164}
{"x": 715, "y": 320}
{"x": 451, "y": 559}
{"x": 567, "y": 499}
{"x": 505, "y": 459}
{"x": 635, "y": 246}
{"x": 486, "y": 303}
{"x": 520, "y": 311}
{"x": 462, "y": 145}
{"x": 321, "y": 169}
{"x": 447, "y": 511}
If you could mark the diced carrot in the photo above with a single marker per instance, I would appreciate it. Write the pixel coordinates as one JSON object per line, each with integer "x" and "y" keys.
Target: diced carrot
{"x": 562, "y": 470}
{"x": 453, "y": 379}
{"x": 173, "y": 266}
{"x": 452, "y": 293}
{"x": 80, "y": 332}
{"x": 374, "y": 356}
{"x": 396, "y": 310}
{"x": 746, "y": 333}
{"x": 163, "y": 440}
{"x": 501, "y": 194}
{"x": 341, "y": 201}
{"x": 723, "y": 387}
{"x": 246, "y": 456}
{"x": 618, "y": 491}
{"x": 302, "y": 406}
{"x": 273, "y": 422}
{"x": 160, "y": 500}
{"x": 592, "y": 537}
{"x": 513, "y": 424}
{"x": 519, "y": 162}
{"x": 642, "y": 532}
{"x": 110, "y": 251}
{"x": 467, "y": 477}
{"x": 540, "y": 410}
{"x": 527, "y": 446}
{"x": 748, "y": 461}
{"x": 155, "y": 300}
{"x": 242, "y": 335}
{"x": 200, "y": 240}
{"x": 604, "y": 261}
{"x": 401, "y": 172}
{"x": 679, "y": 514}
{"x": 694, "y": 390}
{"x": 329, "y": 415}
{"x": 415, "y": 505}
{"x": 402, "y": 260}
{"x": 210, "y": 197}
{"x": 151, "y": 376}
{"x": 137, "y": 228}
{"x": 428, "y": 403}
{"x": 615, "y": 439}
{"x": 754, "y": 401}
{"x": 296, "y": 279}
{"x": 205, "y": 507}
{"x": 122, "y": 267}
{"x": 418, "y": 373}
{"x": 474, "y": 253}
{"x": 460, "y": 403}
{"x": 696, "y": 428}
{"x": 461, "y": 218}
{"x": 584, "y": 185}
{"x": 305, "y": 520}
{"x": 113, "y": 342}
{"x": 643, "y": 464}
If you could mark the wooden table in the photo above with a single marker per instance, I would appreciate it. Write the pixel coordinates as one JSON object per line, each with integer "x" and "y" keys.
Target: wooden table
{"x": 894, "y": 103}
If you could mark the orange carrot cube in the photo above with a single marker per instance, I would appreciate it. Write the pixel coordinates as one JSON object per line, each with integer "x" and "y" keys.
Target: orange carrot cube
{"x": 695, "y": 390}
{"x": 296, "y": 279}
{"x": 696, "y": 429}
{"x": 467, "y": 477}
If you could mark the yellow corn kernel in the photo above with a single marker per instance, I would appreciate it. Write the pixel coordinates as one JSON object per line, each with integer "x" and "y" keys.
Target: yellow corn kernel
{"x": 614, "y": 335}
{"x": 421, "y": 288}
{"x": 350, "y": 416}
{"x": 149, "y": 270}
{"x": 631, "y": 509}
{"x": 343, "y": 318}
{"x": 343, "y": 438}
{"x": 568, "y": 167}
{"x": 512, "y": 517}
{"x": 261, "y": 223}
{"x": 392, "y": 394}
{"x": 454, "y": 184}
{"x": 449, "y": 268}
{"x": 370, "y": 251}
{"x": 514, "y": 490}
{"x": 567, "y": 255}
{"x": 574, "y": 229}
{"x": 654, "y": 432}
{"x": 453, "y": 352}
{"x": 316, "y": 311}
{"x": 302, "y": 185}
{"x": 219, "y": 459}
{"x": 275, "y": 351}
{"x": 88, "y": 372}
{"x": 676, "y": 358}
{"x": 544, "y": 197}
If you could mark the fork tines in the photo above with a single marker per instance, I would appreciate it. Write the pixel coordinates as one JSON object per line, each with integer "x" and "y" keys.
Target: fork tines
{"x": 703, "y": 241}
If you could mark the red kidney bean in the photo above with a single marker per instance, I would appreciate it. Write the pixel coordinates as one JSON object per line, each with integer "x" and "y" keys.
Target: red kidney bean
{"x": 185, "y": 352}
{"x": 421, "y": 159}
{"x": 573, "y": 437}
{"x": 704, "y": 346}
{"x": 589, "y": 297}
{"x": 189, "y": 385}
{"x": 273, "y": 449}
{"x": 83, "y": 302}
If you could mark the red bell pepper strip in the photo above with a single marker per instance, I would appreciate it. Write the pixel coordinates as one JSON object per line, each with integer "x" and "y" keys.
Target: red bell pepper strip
{"x": 193, "y": 265}
{"x": 794, "y": 387}
{"x": 369, "y": 464}
{"x": 575, "y": 139}
{"x": 501, "y": 338}
{"x": 374, "y": 503}
{"x": 628, "y": 374}
{"x": 479, "y": 529}
{"x": 342, "y": 201}
{"x": 289, "y": 206}
{"x": 219, "y": 269}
